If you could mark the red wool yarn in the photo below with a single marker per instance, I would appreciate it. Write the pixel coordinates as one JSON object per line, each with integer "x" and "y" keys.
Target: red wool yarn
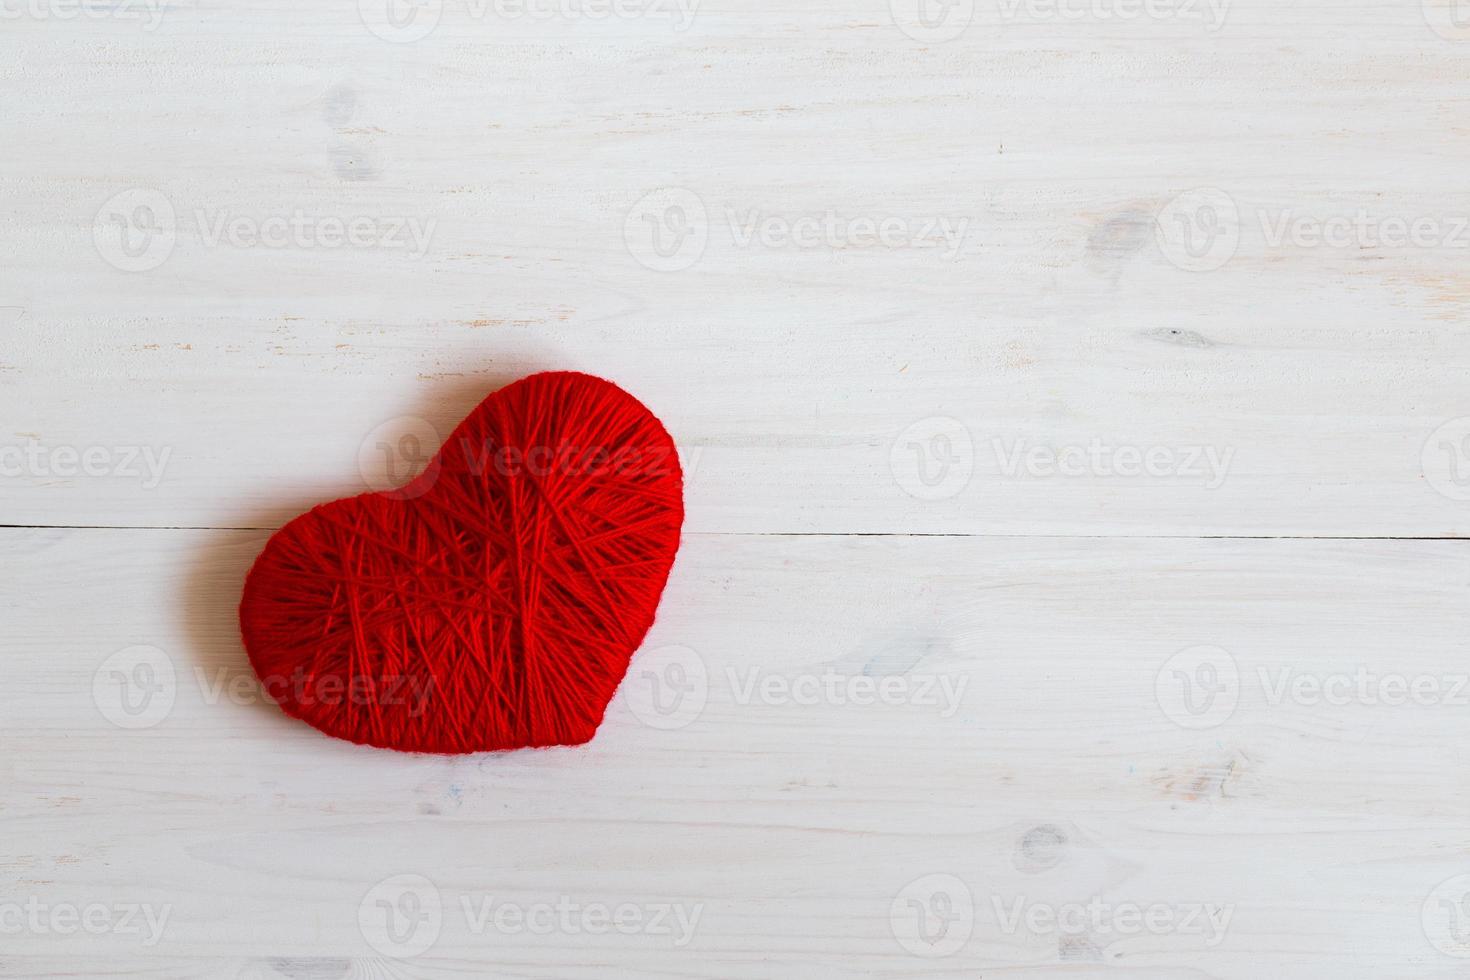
{"x": 492, "y": 603}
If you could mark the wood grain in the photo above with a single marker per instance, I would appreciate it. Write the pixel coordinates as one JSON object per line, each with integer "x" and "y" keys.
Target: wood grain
{"x": 1164, "y": 691}
{"x": 1058, "y": 777}
{"x": 790, "y": 372}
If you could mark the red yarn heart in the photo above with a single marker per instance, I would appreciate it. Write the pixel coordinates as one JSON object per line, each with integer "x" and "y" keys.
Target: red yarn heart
{"x": 494, "y": 601}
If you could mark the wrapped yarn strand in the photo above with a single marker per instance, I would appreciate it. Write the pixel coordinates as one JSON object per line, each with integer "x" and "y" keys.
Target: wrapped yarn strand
{"x": 494, "y": 601}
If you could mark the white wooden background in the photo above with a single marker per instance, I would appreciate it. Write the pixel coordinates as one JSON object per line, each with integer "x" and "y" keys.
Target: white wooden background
{"x": 1133, "y": 730}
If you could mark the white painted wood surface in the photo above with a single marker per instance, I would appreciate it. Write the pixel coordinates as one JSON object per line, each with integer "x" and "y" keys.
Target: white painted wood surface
{"x": 903, "y": 462}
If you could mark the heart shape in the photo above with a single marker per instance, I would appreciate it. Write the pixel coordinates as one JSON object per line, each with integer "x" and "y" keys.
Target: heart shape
{"x": 494, "y": 601}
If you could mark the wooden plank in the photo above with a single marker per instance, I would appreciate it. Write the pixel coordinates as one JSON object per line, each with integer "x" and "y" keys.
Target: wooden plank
{"x": 806, "y": 365}
{"x": 1068, "y": 771}
{"x": 882, "y": 279}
